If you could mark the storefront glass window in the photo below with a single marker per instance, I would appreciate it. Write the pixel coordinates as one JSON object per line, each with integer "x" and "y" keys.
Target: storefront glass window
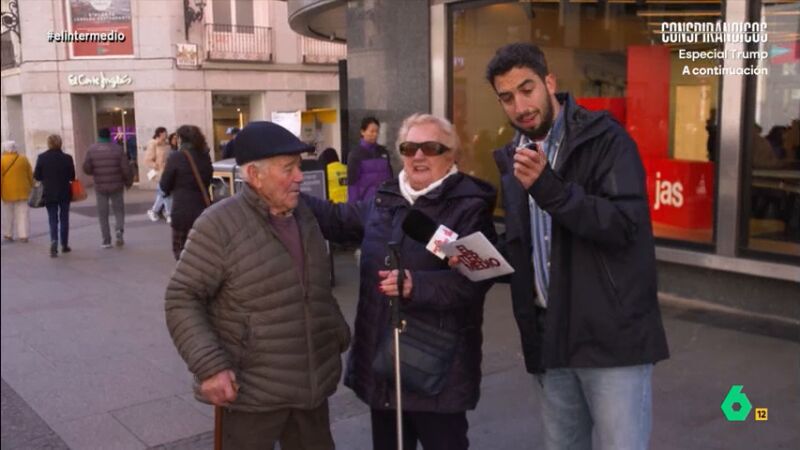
{"x": 608, "y": 55}
{"x": 772, "y": 189}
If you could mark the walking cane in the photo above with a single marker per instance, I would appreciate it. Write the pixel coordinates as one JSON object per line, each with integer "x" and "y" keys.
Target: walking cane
{"x": 218, "y": 411}
{"x": 218, "y": 428}
{"x": 398, "y": 326}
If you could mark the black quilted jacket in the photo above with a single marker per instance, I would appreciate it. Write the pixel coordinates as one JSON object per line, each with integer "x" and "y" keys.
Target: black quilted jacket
{"x": 108, "y": 164}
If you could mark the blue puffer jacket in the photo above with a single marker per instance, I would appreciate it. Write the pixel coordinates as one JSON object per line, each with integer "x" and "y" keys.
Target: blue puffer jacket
{"x": 440, "y": 295}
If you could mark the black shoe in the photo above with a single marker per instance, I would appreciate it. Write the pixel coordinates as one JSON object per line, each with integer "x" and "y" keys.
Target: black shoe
{"x": 119, "y": 242}
{"x": 65, "y": 249}
{"x": 54, "y": 249}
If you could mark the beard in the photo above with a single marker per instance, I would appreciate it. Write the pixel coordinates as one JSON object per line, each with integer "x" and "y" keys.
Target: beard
{"x": 538, "y": 133}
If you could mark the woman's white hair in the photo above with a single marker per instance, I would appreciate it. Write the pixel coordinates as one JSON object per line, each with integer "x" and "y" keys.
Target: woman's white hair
{"x": 445, "y": 127}
{"x": 10, "y": 146}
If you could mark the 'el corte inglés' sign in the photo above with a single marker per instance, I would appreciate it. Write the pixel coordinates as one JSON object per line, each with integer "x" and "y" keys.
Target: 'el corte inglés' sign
{"x": 102, "y": 81}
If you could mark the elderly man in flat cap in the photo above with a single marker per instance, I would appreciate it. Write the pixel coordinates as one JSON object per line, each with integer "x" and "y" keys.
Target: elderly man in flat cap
{"x": 250, "y": 307}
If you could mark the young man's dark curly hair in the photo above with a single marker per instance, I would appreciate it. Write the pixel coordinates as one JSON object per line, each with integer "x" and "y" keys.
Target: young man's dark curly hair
{"x": 517, "y": 55}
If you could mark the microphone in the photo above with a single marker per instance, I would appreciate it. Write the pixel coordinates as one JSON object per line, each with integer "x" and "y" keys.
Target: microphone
{"x": 418, "y": 226}
{"x": 530, "y": 146}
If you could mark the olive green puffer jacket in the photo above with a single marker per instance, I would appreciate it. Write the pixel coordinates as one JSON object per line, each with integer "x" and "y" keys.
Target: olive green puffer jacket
{"x": 236, "y": 301}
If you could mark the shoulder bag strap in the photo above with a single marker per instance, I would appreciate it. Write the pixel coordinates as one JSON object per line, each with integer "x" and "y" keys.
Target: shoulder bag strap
{"x": 197, "y": 178}
{"x": 10, "y": 165}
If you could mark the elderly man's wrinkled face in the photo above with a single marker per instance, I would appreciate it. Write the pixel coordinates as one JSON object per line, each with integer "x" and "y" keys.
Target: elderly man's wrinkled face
{"x": 277, "y": 180}
{"x": 422, "y": 170}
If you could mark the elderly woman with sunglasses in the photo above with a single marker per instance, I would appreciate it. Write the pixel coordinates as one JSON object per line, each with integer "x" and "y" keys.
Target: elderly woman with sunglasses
{"x": 433, "y": 293}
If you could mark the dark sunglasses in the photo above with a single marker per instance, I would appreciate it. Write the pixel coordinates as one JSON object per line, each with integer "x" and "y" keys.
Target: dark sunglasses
{"x": 429, "y": 148}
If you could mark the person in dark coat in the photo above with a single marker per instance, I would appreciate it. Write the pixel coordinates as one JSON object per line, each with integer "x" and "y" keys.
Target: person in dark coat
{"x": 173, "y": 141}
{"x": 328, "y": 156}
{"x": 433, "y": 293}
{"x": 107, "y": 163}
{"x": 228, "y": 151}
{"x": 179, "y": 181}
{"x": 56, "y": 170}
{"x": 368, "y": 165}
{"x": 579, "y": 237}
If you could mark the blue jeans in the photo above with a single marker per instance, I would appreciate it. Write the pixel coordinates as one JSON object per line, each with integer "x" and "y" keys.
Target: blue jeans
{"x": 614, "y": 402}
{"x": 58, "y": 215}
{"x": 162, "y": 201}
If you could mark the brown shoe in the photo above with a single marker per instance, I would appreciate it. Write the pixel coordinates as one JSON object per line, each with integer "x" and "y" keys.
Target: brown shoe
{"x": 24, "y": 240}
{"x": 8, "y": 238}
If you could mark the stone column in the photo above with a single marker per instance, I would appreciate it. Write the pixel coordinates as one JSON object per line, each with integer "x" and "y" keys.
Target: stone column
{"x": 388, "y": 64}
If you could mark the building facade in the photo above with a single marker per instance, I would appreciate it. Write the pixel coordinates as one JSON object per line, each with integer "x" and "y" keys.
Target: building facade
{"x": 717, "y": 122}
{"x": 212, "y": 63}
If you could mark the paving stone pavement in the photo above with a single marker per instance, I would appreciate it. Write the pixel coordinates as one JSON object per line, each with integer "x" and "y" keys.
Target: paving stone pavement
{"x": 87, "y": 362}
{"x": 22, "y": 427}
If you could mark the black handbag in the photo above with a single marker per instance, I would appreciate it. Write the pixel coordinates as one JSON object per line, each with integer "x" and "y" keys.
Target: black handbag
{"x": 426, "y": 355}
{"x": 35, "y": 197}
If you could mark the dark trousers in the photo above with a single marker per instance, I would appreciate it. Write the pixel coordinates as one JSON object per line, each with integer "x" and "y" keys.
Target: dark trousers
{"x": 58, "y": 215}
{"x": 435, "y": 431}
{"x": 295, "y": 429}
{"x": 178, "y": 242}
{"x": 117, "y": 201}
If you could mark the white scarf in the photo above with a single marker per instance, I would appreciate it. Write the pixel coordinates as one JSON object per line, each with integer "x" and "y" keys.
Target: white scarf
{"x": 412, "y": 195}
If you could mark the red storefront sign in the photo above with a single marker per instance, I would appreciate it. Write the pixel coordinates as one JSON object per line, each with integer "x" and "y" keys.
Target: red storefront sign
{"x": 647, "y": 100}
{"x": 615, "y": 105}
{"x": 103, "y": 17}
{"x": 680, "y": 193}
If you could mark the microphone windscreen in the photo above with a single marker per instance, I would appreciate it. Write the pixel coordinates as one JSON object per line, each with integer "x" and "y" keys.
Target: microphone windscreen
{"x": 418, "y": 226}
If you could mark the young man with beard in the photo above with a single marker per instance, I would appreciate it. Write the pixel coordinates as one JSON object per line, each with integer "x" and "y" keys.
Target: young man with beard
{"x": 578, "y": 234}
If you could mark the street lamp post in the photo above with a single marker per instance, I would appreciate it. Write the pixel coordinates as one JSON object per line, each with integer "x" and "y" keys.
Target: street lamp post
{"x": 192, "y": 15}
{"x": 9, "y": 23}
{"x": 124, "y": 133}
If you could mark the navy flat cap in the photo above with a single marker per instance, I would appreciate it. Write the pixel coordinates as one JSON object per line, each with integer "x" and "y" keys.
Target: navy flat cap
{"x": 259, "y": 140}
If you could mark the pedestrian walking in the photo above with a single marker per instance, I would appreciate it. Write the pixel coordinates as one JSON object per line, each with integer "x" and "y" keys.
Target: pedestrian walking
{"x": 107, "y": 163}
{"x": 155, "y": 159}
{"x": 173, "y": 141}
{"x": 17, "y": 181}
{"x": 56, "y": 171}
{"x": 228, "y": 151}
{"x": 187, "y": 185}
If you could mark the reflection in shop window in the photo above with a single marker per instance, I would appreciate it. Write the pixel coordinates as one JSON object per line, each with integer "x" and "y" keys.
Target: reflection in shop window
{"x": 772, "y": 206}
{"x": 608, "y": 55}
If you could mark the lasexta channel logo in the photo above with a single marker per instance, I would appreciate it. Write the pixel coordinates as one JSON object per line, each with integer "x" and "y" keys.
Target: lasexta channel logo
{"x": 736, "y": 406}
